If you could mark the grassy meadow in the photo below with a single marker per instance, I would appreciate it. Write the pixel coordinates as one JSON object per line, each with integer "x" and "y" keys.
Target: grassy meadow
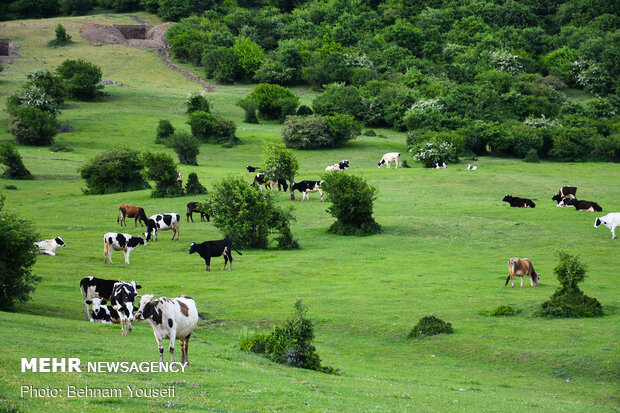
{"x": 444, "y": 250}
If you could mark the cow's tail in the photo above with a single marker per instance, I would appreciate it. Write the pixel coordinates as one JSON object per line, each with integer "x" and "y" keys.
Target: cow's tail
{"x": 231, "y": 246}
{"x": 507, "y": 279}
{"x": 118, "y": 218}
{"x": 82, "y": 288}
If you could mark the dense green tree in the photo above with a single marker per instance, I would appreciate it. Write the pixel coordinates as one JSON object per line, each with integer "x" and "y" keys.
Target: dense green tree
{"x": 162, "y": 169}
{"x": 280, "y": 163}
{"x": 12, "y": 160}
{"x": 82, "y": 78}
{"x": 106, "y": 172}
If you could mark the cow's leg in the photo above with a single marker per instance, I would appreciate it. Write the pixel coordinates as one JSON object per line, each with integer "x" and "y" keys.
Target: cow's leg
{"x": 173, "y": 337}
{"x": 86, "y": 311}
{"x": 187, "y": 349}
{"x": 126, "y": 252}
{"x": 531, "y": 283}
{"x": 322, "y": 195}
{"x": 123, "y": 326}
{"x": 160, "y": 346}
{"x": 513, "y": 281}
{"x": 229, "y": 260}
{"x": 613, "y": 231}
{"x": 522, "y": 281}
{"x": 225, "y": 260}
{"x": 208, "y": 262}
{"x": 129, "y": 325}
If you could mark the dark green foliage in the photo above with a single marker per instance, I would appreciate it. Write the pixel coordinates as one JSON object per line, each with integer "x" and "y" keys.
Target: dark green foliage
{"x": 429, "y": 326}
{"x": 114, "y": 170}
{"x": 33, "y": 126}
{"x": 221, "y": 64}
{"x": 369, "y": 132}
{"x": 249, "y": 107}
{"x": 434, "y": 149}
{"x": 10, "y": 187}
{"x": 532, "y": 156}
{"x": 62, "y": 38}
{"x": 162, "y": 169}
{"x": 568, "y": 301}
{"x": 274, "y": 101}
{"x": 304, "y": 110}
{"x": 76, "y": 7}
{"x": 19, "y": 254}
{"x": 290, "y": 343}
{"x": 185, "y": 145}
{"x": 351, "y": 201}
{"x": 207, "y": 126}
{"x": 197, "y": 101}
{"x": 341, "y": 129}
{"x": 120, "y": 6}
{"x": 61, "y": 146}
{"x": 503, "y": 311}
{"x": 247, "y": 215}
{"x": 313, "y": 132}
{"x": 280, "y": 163}
{"x": 164, "y": 130}
{"x": 193, "y": 186}
{"x": 51, "y": 83}
{"x": 338, "y": 98}
{"x": 10, "y": 157}
{"x": 82, "y": 78}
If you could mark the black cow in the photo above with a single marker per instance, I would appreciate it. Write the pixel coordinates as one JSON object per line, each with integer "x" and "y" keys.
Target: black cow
{"x": 517, "y": 202}
{"x": 193, "y": 207}
{"x": 123, "y": 296}
{"x": 218, "y": 248}
{"x": 252, "y": 168}
{"x": 308, "y": 186}
{"x": 581, "y": 205}
{"x": 93, "y": 287}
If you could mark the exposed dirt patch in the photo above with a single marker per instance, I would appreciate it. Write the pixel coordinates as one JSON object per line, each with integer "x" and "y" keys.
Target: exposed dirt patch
{"x": 103, "y": 34}
{"x": 13, "y": 48}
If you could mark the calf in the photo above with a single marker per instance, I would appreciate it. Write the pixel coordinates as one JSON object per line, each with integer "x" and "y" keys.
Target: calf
{"x": 521, "y": 267}
{"x": 558, "y": 198}
{"x": 170, "y": 318}
{"x": 193, "y": 207}
{"x": 92, "y": 287}
{"x": 306, "y": 187}
{"x": 114, "y": 241}
{"x": 611, "y": 221}
{"x": 517, "y": 202}
{"x": 131, "y": 211}
{"x": 122, "y": 299}
{"x": 102, "y": 313}
{"x": 218, "y": 248}
{"x": 340, "y": 166}
{"x": 48, "y": 246}
{"x": 162, "y": 222}
{"x": 390, "y": 157}
{"x": 252, "y": 168}
{"x": 581, "y": 205}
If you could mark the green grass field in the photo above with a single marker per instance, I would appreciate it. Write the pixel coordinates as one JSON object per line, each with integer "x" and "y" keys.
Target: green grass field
{"x": 444, "y": 250}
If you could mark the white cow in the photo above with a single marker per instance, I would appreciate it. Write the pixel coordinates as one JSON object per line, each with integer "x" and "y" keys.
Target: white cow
{"x": 48, "y": 246}
{"x": 170, "y": 318}
{"x": 390, "y": 157}
{"x": 611, "y": 221}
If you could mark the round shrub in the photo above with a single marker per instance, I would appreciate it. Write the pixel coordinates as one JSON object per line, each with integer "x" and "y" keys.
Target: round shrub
{"x": 431, "y": 152}
{"x": 52, "y": 84}
{"x": 504, "y": 310}
{"x": 341, "y": 129}
{"x": 308, "y": 132}
{"x": 107, "y": 172}
{"x": 369, "y": 132}
{"x": 193, "y": 186}
{"x": 351, "y": 204}
{"x": 280, "y": 163}
{"x": 429, "y": 326}
{"x": 304, "y": 110}
{"x": 186, "y": 146}
{"x": 62, "y": 38}
{"x": 271, "y": 99}
{"x": 164, "y": 130}
{"x": 162, "y": 169}
{"x": 197, "y": 101}
{"x": 206, "y": 126}
{"x": 10, "y": 157}
{"x": 532, "y": 156}
{"x": 32, "y": 96}
{"x": 338, "y": 98}
{"x": 82, "y": 78}
{"x": 33, "y": 126}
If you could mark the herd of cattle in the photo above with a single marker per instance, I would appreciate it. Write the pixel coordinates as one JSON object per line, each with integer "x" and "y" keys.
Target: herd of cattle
{"x": 177, "y": 318}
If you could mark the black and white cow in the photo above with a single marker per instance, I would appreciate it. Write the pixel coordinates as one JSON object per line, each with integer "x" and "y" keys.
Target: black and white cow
{"x": 252, "y": 168}
{"x": 218, "y": 248}
{"x": 261, "y": 181}
{"x": 123, "y": 296}
{"x": 558, "y": 198}
{"x": 170, "y": 318}
{"x": 517, "y": 202}
{"x": 568, "y": 192}
{"x": 388, "y": 158}
{"x": 340, "y": 166}
{"x": 194, "y": 207}
{"x": 611, "y": 221}
{"x": 48, "y": 246}
{"x": 308, "y": 186}
{"x": 581, "y": 205}
{"x": 114, "y": 241}
{"x": 92, "y": 287}
{"x": 163, "y": 222}
{"x": 102, "y": 313}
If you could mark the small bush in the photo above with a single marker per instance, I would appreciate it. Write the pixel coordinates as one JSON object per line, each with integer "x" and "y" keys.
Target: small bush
{"x": 164, "y": 131}
{"x": 82, "y": 79}
{"x": 308, "y": 132}
{"x": 62, "y": 38}
{"x": 351, "y": 204}
{"x": 532, "y": 156}
{"x": 272, "y": 99}
{"x": 369, "y": 132}
{"x": 429, "y": 326}
{"x": 193, "y": 186}
{"x": 197, "y": 101}
{"x": 106, "y": 172}
{"x": 10, "y": 187}
{"x": 61, "y": 146}
{"x": 431, "y": 152}
{"x": 249, "y": 107}
{"x": 162, "y": 169}
{"x": 186, "y": 146}
{"x": 290, "y": 343}
{"x": 33, "y": 126}
{"x": 51, "y": 83}
{"x": 504, "y": 310}
{"x": 341, "y": 129}
{"x": 304, "y": 110}
{"x": 406, "y": 164}
{"x": 10, "y": 157}
{"x": 206, "y": 126}
{"x": 569, "y": 301}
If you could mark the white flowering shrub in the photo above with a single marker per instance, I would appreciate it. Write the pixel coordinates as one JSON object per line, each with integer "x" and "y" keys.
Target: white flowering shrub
{"x": 592, "y": 77}
{"x": 506, "y": 62}
{"x": 431, "y": 152}
{"x": 31, "y": 96}
{"x": 541, "y": 122}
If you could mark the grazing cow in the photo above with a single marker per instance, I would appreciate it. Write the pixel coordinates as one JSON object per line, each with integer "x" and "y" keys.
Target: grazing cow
{"x": 92, "y": 287}
{"x": 193, "y": 207}
{"x": 340, "y": 166}
{"x": 308, "y": 186}
{"x": 163, "y": 222}
{"x": 170, "y": 318}
{"x": 581, "y": 205}
{"x": 611, "y": 221}
{"x": 131, "y": 211}
{"x": 517, "y": 202}
{"x": 472, "y": 167}
{"x": 568, "y": 192}
{"x": 441, "y": 165}
{"x": 103, "y": 313}
{"x": 558, "y": 198}
{"x": 123, "y": 296}
{"x": 390, "y": 157}
{"x": 521, "y": 267}
{"x": 252, "y": 168}
{"x": 48, "y": 246}
{"x": 218, "y": 248}
{"x": 260, "y": 180}
{"x": 114, "y": 241}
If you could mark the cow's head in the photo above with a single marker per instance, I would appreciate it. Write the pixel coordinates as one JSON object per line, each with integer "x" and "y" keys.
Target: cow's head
{"x": 136, "y": 241}
{"x": 123, "y": 296}
{"x": 557, "y": 198}
{"x": 96, "y": 305}
{"x": 597, "y": 222}
{"x": 535, "y": 278}
{"x": 193, "y": 248}
{"x": 381, "y": 163}
{"x": 507, "y": 198}
{"x": 59, "y": 241}
{"x": 151, "y": 226}
{"x": 149, "y": 309}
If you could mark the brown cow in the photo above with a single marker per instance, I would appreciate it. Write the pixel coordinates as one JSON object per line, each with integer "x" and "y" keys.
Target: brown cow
{"x": 521, "y": 267}
{"x": 131, "y": 211}
{"x": 193, "y": 207}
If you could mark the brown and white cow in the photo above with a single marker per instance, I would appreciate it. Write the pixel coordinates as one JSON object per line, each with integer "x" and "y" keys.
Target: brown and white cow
{"x": 170, "y": 318}
{"x": 131, "y": 211}
{"x": 520, "y": 267}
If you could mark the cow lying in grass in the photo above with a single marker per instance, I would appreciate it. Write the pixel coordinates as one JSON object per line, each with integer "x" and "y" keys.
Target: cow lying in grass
{"x": 103, "y": 313}
{"x": 218, "y": 248}
{"x": 517, "y": 202}
{"x": 340, "y": 166}
{"x": 611, "y": 221}
{"x": 581, "y": 205}
{"x": 520, "y": 267}
{"x": 48, "y": 246}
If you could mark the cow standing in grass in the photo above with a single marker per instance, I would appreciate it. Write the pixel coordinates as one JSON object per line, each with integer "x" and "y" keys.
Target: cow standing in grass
{"x": 218, "y": 248}
{"x": 114, "y": 241}
{"x": 131, "y": 211}
{"x": 163, "y": 222}
{"x": 520, "y": 267}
